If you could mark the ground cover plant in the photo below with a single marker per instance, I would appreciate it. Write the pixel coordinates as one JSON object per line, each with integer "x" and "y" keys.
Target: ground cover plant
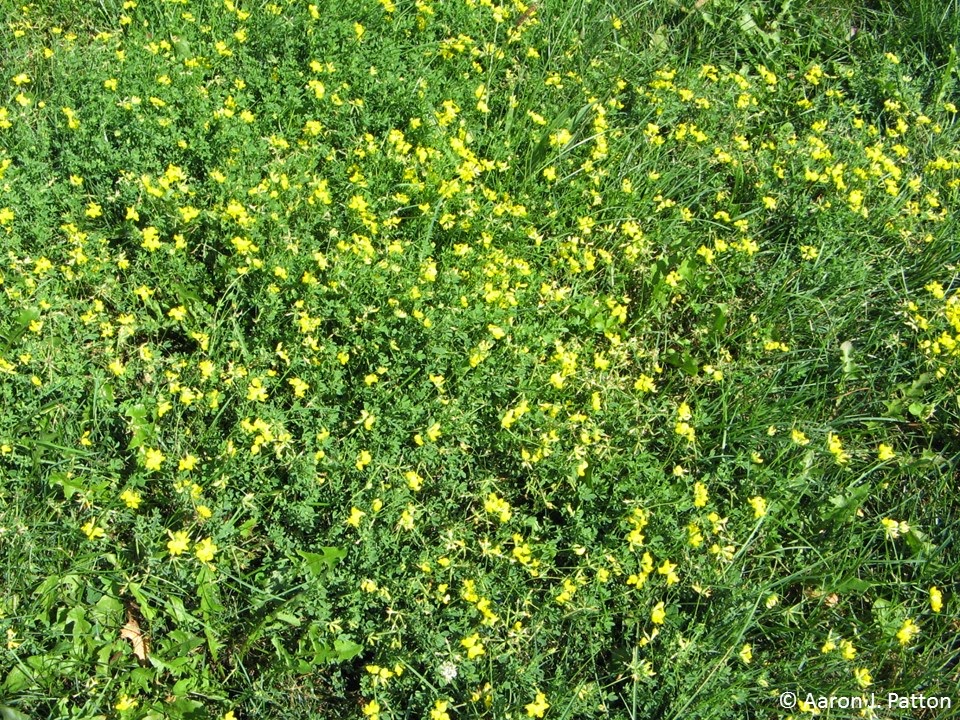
{"x": 422, "y": 359}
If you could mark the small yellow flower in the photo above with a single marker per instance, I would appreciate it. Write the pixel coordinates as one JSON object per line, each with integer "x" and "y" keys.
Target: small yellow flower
{"x": 363, "y": 459}
{"x": 187, "y": 463}
{"x": 153, "y": 459}
{"x": 205, "y": 550}
{"x": 125, "y": 702}
{"x": 414, "y": 481}
{"x": 474, "y": 646}
{"x": 746, "y": 654}
{"x": 645, "y": 384}
{"x": 936, "y": 599}
{"x": 907, "y": 631}
{"x": 864, "y": 679}
{"x": 700, "y": 495}
{"x": 759, "y": 506}
{"x": 92, "y": 531}
{"x": 885, "y": 452}
{"x": 179, "y": 542}
{"x": 895, "y": 528}
{"x": 658, "y": 614}
{"x": 131, "y": 498}
{"x": 439, "y": 711}
{"x": 538, "y": 707}
{"x": 498, "y": 506}
{"x": 356, "y": 515}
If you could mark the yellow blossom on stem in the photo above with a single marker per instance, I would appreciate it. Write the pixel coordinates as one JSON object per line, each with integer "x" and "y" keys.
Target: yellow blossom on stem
{"x": 153, "y": 459}
{"x": 205, "y": 550}
{"x": 658, "y": 614}
{"x": 936, "y": 599}
{"x": 92, "y": 531}
{"x": 538, "y": 707}
{"x": 179, "y": 542}
{"x": 907, "y": 631}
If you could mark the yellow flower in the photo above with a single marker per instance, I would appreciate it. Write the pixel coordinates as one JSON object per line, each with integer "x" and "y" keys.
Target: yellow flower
{"x": 363, "y": 459}
{"x": 746, "y": 654}
{"x": 205, "y": 550}
{"x": 864, "y": 679}
{"x": 125, "y": 702}
{"x": 658, "y": 614}
{"x": 936, "y": 599}
{"x": 179, "y": 542}
{"x": 153, "y": 459}
{"x": 699, "y": 495}
{"x": 187, "y": 463}
{"x": 356, "y": 515}
{"x": 372, "y": 709}
{"x": 538, "y": 707}
{"x": 498, "y": 506}
{"x": 92, "y": 531}
{"x": 204, "y": 512}
{"x": 836, "y": 448}
{"x": 669, "y": 569}
{"x": 645, "y": 384}
{"x": 759, "y": 506}
{"x": 895, "y": 528}
{"x": 414, "y": 481}
{"x": 131, "y": 498}
{"x": 885, "y": 452}
{"x": 299, "y": 387}
{"x": 439, "y": 711}
{"x": 433, "y": 432}
{"x": 907, "y": 631}
{"x": 474, "y": 646}
{"x": 256, "y": 391}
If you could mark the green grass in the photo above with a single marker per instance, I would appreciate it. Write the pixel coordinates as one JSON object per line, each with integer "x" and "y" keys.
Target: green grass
{"x": 460, "y": 360}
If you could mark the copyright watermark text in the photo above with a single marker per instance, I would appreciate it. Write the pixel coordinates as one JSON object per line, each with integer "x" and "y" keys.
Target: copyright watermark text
{"x": 874, "y": 701}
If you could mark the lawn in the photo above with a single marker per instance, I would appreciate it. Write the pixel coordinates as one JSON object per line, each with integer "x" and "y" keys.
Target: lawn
{"x": 448, "y": 359}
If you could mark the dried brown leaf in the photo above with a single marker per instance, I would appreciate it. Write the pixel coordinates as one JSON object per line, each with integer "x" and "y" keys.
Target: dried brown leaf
{"x": 131, "y": 631}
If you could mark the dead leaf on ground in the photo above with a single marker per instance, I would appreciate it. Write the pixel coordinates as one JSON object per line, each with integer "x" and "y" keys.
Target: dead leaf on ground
{"x": 131, "y": 631}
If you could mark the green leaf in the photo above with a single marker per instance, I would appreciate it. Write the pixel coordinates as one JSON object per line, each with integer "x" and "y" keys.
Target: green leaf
{"x": 16, "y": 681}
{"x": 845, "y": 506}
{"x": 288, "y": 618}
{"x": 346, "y": 649}
{"x": 319, "y": 563}
{"x": 8, "y": 713}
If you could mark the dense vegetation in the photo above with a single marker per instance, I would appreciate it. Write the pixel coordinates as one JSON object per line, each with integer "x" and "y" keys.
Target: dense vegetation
{"x": 424, "y": 359}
